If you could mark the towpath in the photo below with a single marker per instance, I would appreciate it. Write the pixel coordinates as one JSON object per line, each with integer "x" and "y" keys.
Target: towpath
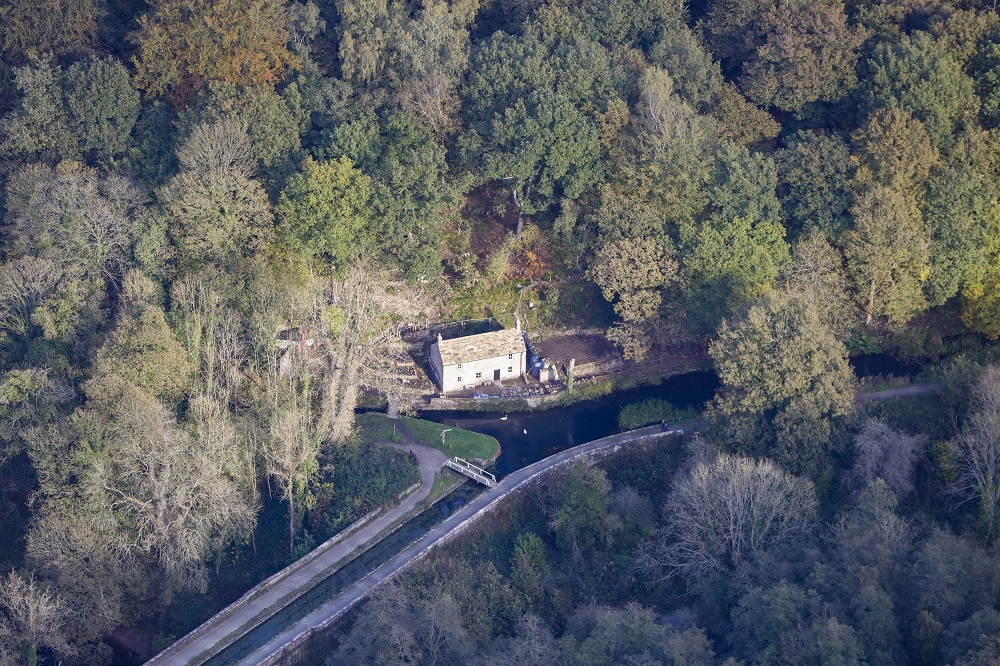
{"x": 280, "y": 645}
{"x": 264, "y": 600}
{"x": 917, "y": 389}
{"x": 239, "y": 618}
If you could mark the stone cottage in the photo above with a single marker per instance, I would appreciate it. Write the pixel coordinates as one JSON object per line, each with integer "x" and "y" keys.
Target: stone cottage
{"x": 472, "y": 360}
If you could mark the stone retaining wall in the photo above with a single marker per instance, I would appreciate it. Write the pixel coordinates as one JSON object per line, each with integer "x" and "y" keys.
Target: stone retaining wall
{"x": 306, "y": 647}
{"x": 265, "y": 585}
{"x": 601, "y": 367}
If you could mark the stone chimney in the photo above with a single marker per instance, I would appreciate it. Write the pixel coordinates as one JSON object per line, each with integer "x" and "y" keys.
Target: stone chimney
{"x": 439, "y": 339}
{"x": 517, "y": 323}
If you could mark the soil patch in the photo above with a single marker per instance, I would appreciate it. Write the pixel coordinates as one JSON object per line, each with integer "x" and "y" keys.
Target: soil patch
{"x": 584, "y": 347}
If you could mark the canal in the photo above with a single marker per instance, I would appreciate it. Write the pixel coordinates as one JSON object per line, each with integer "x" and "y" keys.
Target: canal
{"x": 524, "y": 438}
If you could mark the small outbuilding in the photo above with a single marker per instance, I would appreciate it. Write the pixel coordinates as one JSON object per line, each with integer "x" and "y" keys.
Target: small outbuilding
{"x": 461, "y": 363}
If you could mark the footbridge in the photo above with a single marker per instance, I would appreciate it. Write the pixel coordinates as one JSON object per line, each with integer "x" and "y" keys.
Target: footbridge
{"x": 288, "y": 647}
{"x": 474, "y": 472}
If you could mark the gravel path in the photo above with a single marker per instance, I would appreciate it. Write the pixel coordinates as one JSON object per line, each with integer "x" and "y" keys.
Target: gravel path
{"x": 476, "y": 508}
{"x": 271, "y": 654}
{"x": 221, "y": 631}
{"x": 899, "y": 393}
{"x": 257, "y": 605}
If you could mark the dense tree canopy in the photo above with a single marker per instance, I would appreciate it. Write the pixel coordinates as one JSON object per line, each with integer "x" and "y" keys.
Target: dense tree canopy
{"x": 783, "y": 361}
{"x": 227, "y": 224}
{"x": 185, "y": 44}
{"x": 33, "y": 29}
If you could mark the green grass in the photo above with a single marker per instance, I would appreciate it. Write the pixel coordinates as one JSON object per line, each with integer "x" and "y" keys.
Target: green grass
{"x": 457, "y": 442}
{"x": 445, "y": 481}
{"x": 378, "y": 427}
{"x": 591, "y": 390}
{"x": 653, "y": 410}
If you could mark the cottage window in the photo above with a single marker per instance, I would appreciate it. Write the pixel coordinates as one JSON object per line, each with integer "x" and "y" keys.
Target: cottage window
{"x": 510, "y": 369}
{"x": 459, "y": 379}
{"x": 479, "y": 375}
{"x": 510, "y": 356}
{"x": 459, "y": 366}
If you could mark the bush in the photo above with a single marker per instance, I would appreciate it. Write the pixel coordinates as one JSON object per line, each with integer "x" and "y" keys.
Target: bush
{"x": 356, "y": 480}
{"x": 653, "y": 410}
{"x": 590, "y": 390}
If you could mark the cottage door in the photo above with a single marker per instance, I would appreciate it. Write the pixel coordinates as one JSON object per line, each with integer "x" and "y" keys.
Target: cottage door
{"x": 496, "y": 375}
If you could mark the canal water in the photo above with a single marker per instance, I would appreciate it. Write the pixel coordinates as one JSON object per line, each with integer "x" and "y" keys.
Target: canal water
{"x": 347, "y": 575}
{"x": 524, "y": 438}
{"x": 527, "y": 437}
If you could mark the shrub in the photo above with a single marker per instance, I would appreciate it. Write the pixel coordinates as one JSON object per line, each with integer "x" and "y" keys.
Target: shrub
{"x": 653, "y": 410}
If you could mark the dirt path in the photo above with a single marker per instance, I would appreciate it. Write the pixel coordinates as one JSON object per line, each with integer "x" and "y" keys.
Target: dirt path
{"x": 273, "y": 652}
{"x": 429, "y": 459}
{"x": 236, "y": 620}
{"x": 264, "y": 600}
{"x": 899, "y": 393}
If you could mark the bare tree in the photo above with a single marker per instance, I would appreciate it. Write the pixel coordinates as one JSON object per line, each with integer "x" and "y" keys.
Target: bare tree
{"x": 75, "y": 216}
{"x": 816, "y": 272}
{"x": 882, "y": 452}
{"x": 435, "y": 100}
{"x": 722, "y": 514}
{"x": 440, "y": 633}
{"x": 532, "y": 645}
{"x": 175, "y": 494}
{"x": 979, "y": 452}
{"x": 383, "y": 633}
{"x": 220, "y": 147}
{"x": 213, "y": 336}
{"x": 356, "y": 317}
{"x": 663, "y": 123}
{"x": 29, "y": 288}
{"x": 90, "y": 572}
{"x": 290, "y": 456}
{"x": 433, "y": 52}
{"x": 31, "y": 617}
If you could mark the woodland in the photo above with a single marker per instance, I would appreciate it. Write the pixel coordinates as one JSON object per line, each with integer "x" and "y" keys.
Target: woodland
{"x": 684, "y": 553}
{"x": 185, "y": 183}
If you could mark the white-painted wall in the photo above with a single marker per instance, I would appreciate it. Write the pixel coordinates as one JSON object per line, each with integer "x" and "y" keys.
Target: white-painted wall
{"x": 454, "y": 378}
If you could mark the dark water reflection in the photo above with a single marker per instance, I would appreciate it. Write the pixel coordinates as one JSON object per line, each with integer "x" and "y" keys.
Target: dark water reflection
{"x": 524, "y": 438}
{"x": 342, "y": 578}
{"x": 528, "y": 437}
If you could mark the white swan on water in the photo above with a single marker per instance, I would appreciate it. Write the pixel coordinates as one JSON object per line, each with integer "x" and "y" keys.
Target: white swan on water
{"x": 525, "y": 431}
{"x": 503, "y": 418}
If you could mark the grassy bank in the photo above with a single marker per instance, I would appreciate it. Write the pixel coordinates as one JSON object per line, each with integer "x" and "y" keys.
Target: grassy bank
{"x": 457, "y": 442}
{"x": 654, "y": 410}
{"x": 378, "y": 427}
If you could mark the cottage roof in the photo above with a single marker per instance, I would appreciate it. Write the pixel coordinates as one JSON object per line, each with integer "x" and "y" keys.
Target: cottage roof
{"x": 485, "y": 345}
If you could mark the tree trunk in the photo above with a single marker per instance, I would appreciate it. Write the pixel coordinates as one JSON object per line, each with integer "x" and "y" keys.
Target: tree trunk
{"x": 871, "y": 304}
{"x": 291, "y": 517}
{"x": 520, "y": 208}
{"x": 520, "y": 214}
